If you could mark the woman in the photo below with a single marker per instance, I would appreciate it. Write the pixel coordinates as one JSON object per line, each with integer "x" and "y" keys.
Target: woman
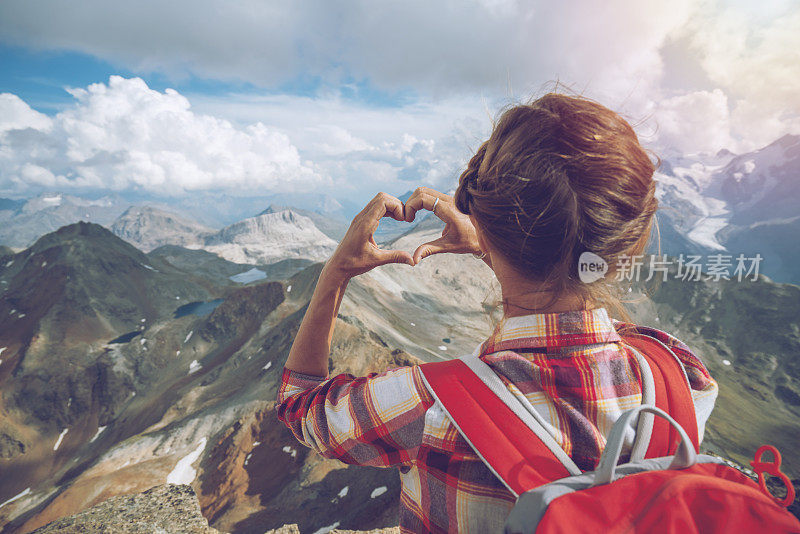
{"x": 558, "y": 177}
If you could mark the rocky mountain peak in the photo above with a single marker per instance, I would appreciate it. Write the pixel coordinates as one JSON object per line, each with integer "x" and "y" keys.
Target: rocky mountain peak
{"x": 271, "y": 237}
{"x": 148, "y": 228}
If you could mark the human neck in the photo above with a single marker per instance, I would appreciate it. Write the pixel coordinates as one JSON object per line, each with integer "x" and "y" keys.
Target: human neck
{"x": 517, "y": 305}
{"x": 522, "y": 296}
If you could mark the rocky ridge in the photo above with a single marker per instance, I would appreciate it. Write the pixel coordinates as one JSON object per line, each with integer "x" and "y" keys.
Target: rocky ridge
{"x": 148, "y": 228}
{"x": 269, "y": 238}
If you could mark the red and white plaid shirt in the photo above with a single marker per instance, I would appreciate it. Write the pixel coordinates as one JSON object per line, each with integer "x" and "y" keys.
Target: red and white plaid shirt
{"x": 571, "y": 366}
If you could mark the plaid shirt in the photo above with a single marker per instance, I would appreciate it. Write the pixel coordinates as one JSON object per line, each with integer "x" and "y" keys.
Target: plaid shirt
{"x": 571, "y": 366}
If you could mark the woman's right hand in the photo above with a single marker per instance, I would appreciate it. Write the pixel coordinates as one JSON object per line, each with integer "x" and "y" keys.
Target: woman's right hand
{"x": 458, "y": 237}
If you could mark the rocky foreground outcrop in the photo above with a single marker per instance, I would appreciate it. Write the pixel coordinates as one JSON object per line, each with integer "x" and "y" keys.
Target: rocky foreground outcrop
{"x": 169, "y": 508}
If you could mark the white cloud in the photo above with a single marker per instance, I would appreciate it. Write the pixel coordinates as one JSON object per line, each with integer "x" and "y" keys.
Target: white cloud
{"x": 124, "y": 135}
{"x": 738, "y": 86}
{"x": 440, "y": 46}
{"x": 748, "y": 60}
{"x": 750, "y": 53}
{"x": 16, "y": 115}
{"x": 694, "y": 122}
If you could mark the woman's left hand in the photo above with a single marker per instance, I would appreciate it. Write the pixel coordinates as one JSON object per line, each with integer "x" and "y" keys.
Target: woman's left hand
{"x": 358, "y": 253}
{"x": 458, "y": 236}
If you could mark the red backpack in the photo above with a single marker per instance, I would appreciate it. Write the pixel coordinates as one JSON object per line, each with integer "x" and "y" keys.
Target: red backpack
{"x": 666, "y": 487}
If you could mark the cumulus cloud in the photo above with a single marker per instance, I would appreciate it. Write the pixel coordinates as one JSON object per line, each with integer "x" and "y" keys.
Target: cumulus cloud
{"x": 694, "y": 122}
{"x": 743, "y": 92}
{"x": 124, "y": 135}
{"x": 752, "y": 55}
{"x": 17, "y": 115}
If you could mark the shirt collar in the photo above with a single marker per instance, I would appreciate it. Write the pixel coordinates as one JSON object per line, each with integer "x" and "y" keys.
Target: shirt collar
{"x": 552, "y": 330}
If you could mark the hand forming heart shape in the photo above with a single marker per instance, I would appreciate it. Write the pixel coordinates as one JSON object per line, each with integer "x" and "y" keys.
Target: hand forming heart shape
{"x": 358, "y": 253}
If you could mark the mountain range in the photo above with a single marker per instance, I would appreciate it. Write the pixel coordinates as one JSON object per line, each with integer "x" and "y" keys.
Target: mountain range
{"x": 148, "y": 349}
{"x": 720, "y": 203}
{"x": 122, "y": 370}
{"x": 735, "y": 204}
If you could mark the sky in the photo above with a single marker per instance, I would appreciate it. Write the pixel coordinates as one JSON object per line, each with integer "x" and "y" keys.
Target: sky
{"x": 170, "y": 99}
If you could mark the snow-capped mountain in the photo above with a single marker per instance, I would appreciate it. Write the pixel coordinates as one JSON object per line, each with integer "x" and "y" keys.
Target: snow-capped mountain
{"x": 148, "y": 228}
{"x": 687, "y": 205}
{"x": 269, "y": 238}
{"x": 763, "y": 185}
{"x": 332, "y": 226}
{"x": 732, "y": 204}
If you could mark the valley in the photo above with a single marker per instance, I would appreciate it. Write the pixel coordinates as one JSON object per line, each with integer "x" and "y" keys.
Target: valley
{"x": 138, "y": 372}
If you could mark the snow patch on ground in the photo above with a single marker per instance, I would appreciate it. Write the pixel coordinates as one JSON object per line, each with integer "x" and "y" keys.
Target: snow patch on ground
{"x": 60, "y": 437}
{"x": 184, "y": 473}
{"x": 726, "y": 362}
{"x": 289, "y": 289}
{"x": 377, "y": 492}
{"x": 343, "y": 492}
{"x": 194, "y": 366}
{"x": 2, "y": 349}
{"x": 269, "y": 364}
{"x": 188, "y": 336}
{"x": 26, "y": 492}
{"x": 326, "y": 530}
{"x": 442, "y": 347}
{"x": 290, "y": 451}
{"x": 97, "y": 434}
{"x": 249, "y": 276}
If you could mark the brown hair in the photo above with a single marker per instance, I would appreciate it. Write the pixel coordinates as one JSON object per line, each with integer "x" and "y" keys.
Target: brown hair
{"x": 557, "y": 177}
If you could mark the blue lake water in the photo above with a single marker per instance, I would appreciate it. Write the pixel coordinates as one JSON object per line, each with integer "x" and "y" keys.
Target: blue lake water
{"x": 249, "y": 276}
{"x": 198, "y": 308}
{"x": 124, "y": 338}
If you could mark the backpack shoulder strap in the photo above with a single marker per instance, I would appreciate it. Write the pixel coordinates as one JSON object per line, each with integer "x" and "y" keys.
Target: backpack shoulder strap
{"x": 506, "y": 437}
{"x": 672, "y": 394}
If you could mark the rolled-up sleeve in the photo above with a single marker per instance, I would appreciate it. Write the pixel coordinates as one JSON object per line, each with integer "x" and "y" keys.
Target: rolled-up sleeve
{"x": 375, "y": 420}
